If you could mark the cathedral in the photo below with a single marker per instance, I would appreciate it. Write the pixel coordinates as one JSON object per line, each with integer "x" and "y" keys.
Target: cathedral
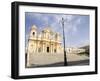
{"x": 46, "y": 46}
{"x": 45, "y": 41}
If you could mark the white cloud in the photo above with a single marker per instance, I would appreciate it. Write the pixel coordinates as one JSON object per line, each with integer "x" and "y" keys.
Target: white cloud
{"x": 74, "y": 29}
{"x": 71, "y": 25}
{"x": 56, "y": 24}
{"x": 39, "y": 17}
{"x": 84, "y": 43}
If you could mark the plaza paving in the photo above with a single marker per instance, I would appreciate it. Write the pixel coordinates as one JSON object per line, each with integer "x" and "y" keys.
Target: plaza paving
{"x": 51, "y": 60}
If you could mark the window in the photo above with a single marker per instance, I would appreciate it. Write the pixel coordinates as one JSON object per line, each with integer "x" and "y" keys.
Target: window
{"x": 33, "y": 33}
{"x": 39, "y": 50}
{"x": 47, "y": 49}
{"x": 55, "y": 50}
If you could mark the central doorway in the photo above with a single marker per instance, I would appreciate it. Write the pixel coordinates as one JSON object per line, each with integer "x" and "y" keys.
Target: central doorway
{"x": 47, "y": 49}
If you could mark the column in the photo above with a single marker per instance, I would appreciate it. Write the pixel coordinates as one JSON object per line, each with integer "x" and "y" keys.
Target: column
{"x": 43, "y": 48}
{"x": 52, "y": 48}
{"x": 37, "y": 46}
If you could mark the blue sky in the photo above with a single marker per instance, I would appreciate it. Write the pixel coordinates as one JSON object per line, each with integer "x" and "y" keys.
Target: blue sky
{"x": 76, "y": 26}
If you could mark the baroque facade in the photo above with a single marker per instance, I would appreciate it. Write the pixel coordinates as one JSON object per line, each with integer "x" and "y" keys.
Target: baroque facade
{"x": 45, "y": 41}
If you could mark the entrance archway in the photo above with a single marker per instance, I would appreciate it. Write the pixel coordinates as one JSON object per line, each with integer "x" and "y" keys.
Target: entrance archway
{"x": 47, "y": 49}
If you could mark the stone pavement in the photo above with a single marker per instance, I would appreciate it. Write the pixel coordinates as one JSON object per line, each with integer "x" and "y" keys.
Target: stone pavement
{"x": 57, "y": 59}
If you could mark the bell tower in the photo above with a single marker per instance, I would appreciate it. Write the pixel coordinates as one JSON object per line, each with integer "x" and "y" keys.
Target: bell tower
{"x": 33, "y": 32}
{"x": 32, "y": 39}
{"x": 31, "y": 44}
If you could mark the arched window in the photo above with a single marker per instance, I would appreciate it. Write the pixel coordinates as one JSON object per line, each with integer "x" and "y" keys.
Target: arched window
{"x": 47, "y": 49}
{"x": 33, "y": 33}
{"x": 55, "y": 50}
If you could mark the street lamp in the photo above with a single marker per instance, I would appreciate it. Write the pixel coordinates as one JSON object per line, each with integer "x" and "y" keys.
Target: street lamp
{"x": 65, "y": 58}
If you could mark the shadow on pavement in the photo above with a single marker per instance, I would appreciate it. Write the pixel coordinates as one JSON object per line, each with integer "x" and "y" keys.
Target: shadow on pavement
{"x": 71, "y": 63}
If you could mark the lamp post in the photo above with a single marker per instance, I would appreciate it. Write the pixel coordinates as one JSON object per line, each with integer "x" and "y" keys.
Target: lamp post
{"x": 65, "y": 58}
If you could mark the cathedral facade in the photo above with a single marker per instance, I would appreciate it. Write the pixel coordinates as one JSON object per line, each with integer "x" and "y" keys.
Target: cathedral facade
{"x": 45, "y": 41}
{"x": 46, "y": 44}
